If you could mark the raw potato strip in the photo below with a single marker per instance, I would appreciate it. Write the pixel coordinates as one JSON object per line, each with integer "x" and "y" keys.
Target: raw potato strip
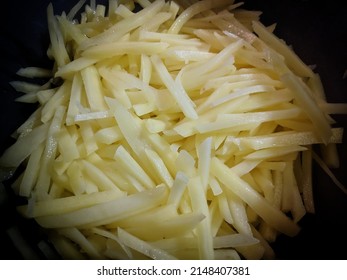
{"x": 67, "y": 146}
{"x": 44, "y": 177}
{"x": 275, "y": 152}
{"x": 108, "y": 135}
{"x": 107, "y": 212}
{"x": 153, "y": 217}
{"x": 124, "y": 26}
{"x": 60, "y": 98}
{"x": 99, "y": 178}
{"x": 132, "y": 82}
{"x": 264, "y": 116}
{"x": 132, "y": 128}
{"x": 234, "y": 240}
{"x": 32, "y": 122}
{"x": 203, "y": 230}
{"x": 238, "y": 212}
{"x": 79, "y": 182}
{"x": 24, "y": 147}
{"x": 71, "y": 14}
{"x": 93, "y": 89}
{"x": 57, "y": 42}
{"x": 188, "y": 128}
{"x": 304, "y": 98}
{"x": 71, "y": 203}
{"x": 143, "y": 247}
{"x": 204, "y": 155}
{"x": 233, "y": 28}
{"x": 34, "y": 72}
{"x": 158, "y": 166}
{"x": 297, "y": 207}
{"x": 168, "y": 227}
{"x": 74, "y": 66}
{"x": 227, "y": 121}
{"x": 43, "y": 96}
{"x": 30, "y": 95}
{"x": 87, "y": 134}
{"x": 31, "y": 172}
{"x": 284, "y": 139}
{"x": 114, "y": 237}
{"x": 242, "y": 92}
{"x": 92, "y": 116}
{"x": 175, "y": 133}
{"x": 124, "y": 48}
{"x": 297, "y": 65}
{"x": 272, "y": 216}
{"x": 175, "y": 89}
{"x": 130, "y": 164}
{"x": 189, "y": 13}
{"x": 221, "y": 60}
{"x": 178, "y": 187}
{"x": 76, "y": 236}
{"x": 225, "y": 241}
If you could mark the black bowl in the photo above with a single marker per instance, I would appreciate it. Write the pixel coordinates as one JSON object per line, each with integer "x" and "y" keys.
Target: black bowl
{"x": 317, "y": 33}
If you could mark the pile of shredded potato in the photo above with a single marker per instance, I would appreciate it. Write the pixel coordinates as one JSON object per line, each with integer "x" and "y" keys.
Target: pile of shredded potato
{"x": 176, "y": 133}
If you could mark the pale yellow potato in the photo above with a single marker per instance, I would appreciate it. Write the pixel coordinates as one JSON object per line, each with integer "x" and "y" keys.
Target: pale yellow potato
{"x": 177, "y": 133}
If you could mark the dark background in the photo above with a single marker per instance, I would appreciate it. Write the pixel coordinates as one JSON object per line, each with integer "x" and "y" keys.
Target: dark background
{"x": 316, "y": 30}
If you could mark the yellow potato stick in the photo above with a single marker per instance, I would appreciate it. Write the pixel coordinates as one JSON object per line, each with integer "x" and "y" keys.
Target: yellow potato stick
{"x": 224, "y": 208}
{"x": 154, "y": 216}
{"x": 178, "y": 188}
{"x": 107, "y": 212}
{"x": 76, "y": 236}
{"x": 132, "y": 167}
{"x": 265, "y": 210}
{"x": 25, "y": 87}
{"x": 114, "y": 237}
{"x": 25, "y": 145}
{"x": 177, "y": 90}
{"x": 58, "y": 47}
{"x": 67, "y": 146}
{"x": 234, "y": 241}
{"x": 158, "y": 166}
{"x": 215, "y": 186}
{"x": 47, "y": 159}
{"x": 75, "y": 66}
{"x": 60, "y": 98}
{"x": 102, "y": 181}
{"x": 204, "y": 161}
{"x": 143, "y": 247}
{"x": 44, "y": 95}
{"x": 238, "y": 212}
{"x": 292, "y": 59}
{"x": 34, "y": 72}
{"x": 87, "y": 134}
{"x": 71, "y": 203}
{"x": 31, "y": 172}
{"x": 203, "y": 230}
{"x": 93, "y": 88}
{"x": 169, "y": 227}
{"x": 124, "y": 48}
{"x": 124, "y": 26}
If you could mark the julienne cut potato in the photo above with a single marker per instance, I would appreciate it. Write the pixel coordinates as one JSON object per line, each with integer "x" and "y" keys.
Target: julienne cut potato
{"x": 169, "y": 132}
